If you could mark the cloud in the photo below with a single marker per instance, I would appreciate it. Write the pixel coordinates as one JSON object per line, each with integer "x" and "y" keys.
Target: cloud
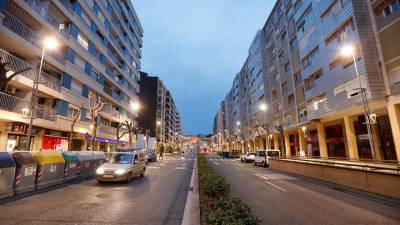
{"x": 196, "y": 48}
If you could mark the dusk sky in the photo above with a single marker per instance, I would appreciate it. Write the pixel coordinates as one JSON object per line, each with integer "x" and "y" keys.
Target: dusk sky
{"x": 196, "y": 48}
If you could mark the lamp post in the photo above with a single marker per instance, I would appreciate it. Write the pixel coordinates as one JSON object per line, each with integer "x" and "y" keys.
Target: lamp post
{"x": 350, "y": 51}
{"x": 48, "y": 43}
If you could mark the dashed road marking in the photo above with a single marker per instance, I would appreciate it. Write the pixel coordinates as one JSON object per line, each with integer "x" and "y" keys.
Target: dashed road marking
{"x": 216, "y": 163}
{"x": 180, "y": 168}
{"x": 274, "y": 176}
{"x": 277, "y": 187}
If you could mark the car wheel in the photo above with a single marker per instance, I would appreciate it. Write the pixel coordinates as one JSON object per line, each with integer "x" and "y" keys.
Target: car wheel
{"x": 142, "y": 174}
{"x": 241, "y": 160}
{"x": 255, "y": 163}
{"x": 100, "y": 182}
{"x": 263, "y": 163}
{"x": 128, "y": 177}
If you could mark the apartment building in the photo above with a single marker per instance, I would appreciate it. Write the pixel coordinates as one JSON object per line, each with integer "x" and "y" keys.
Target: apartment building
{"x": 99, "y": 51}
{"x": 158, "y": 112}
{"x": 315, "y": 106}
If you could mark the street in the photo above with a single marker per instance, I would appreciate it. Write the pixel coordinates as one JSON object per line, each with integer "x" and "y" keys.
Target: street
{"x": 158, "y": 198}
{"x": 278, "y": 198}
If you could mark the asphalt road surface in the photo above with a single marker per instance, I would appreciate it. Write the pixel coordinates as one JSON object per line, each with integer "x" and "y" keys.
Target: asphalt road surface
{"x": 157, "y": 198}
{"x": 278, "y": 198}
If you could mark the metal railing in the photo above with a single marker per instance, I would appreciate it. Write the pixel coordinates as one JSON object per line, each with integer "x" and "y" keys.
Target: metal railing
{"x": 109, "y": 110}
{"x": 107, "y": 129}
{"x": 362, "y": 164}
{"x": 21, "y": 106}
{"x": 17, "y": 64}
{"x": 19, "y": 27}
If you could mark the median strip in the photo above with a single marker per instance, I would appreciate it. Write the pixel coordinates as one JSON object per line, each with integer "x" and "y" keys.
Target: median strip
{"x": 216, "y": 204}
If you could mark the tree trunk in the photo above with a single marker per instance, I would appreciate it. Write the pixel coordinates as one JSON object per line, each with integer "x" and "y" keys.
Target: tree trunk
{"x": 94, "y": 134}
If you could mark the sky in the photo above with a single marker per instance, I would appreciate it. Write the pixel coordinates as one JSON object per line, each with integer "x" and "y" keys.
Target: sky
{"x": 196, "y": 47}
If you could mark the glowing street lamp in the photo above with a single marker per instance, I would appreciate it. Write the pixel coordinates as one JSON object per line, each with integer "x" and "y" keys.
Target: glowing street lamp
{"x": 349, "y": 51}
{"x": 135, "y": 106}
{"x": 263, "y": 107}
{"x": 48, "y": 43}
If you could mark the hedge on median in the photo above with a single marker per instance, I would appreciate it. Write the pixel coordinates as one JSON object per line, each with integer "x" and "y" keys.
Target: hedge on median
{"x": 217, "y": 206}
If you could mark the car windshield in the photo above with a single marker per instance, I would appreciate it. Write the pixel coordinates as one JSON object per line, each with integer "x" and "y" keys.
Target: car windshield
{"x": 121, "y": 158}
{"x": 273, "y": 153}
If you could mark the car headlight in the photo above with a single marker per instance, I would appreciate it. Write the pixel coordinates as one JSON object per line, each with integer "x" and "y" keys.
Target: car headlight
{"x": 120, "y": 172}
{"x": 100, "y": 171}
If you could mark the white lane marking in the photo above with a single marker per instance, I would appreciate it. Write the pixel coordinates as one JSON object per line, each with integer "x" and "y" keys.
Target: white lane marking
{"x": 216, "y": 163}
{"x": 273, "y": 185}
{"x": 153, "y": 167}
{"x": 274, "y": 176}
{"x": 238, "y": 164}
{"x": 180, "y": 168}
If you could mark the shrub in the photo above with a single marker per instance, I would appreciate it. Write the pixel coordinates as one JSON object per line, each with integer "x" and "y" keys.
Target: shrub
{"x": 217, "y": 207}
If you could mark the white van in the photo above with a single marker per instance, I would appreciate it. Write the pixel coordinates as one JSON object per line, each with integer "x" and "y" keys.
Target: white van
{"x": 262, "y": 156}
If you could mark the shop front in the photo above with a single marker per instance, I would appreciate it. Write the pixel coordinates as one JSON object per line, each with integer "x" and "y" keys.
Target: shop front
{"x": 335, "y": 141}
{"x": 55, "y": 140}
{"x": 17, "y": 136}
{"x": 104, "y": 144}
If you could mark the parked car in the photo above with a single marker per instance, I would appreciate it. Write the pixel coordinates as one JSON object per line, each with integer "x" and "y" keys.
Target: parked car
{"x": 248, "y": 157}
{"x": 262, "y": 157}
{"x": 122, "y": 166}
{"x": 151, "y": 156}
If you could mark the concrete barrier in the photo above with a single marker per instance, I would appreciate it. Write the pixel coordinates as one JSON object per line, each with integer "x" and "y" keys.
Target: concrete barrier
{"x": 370, "y": 179}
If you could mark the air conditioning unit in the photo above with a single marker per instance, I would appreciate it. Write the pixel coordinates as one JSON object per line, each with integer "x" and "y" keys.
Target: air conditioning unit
{"x": 11, "y": 90}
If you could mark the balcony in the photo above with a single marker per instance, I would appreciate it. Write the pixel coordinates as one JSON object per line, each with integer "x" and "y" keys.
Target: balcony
{"x": 110, "y": 111}
{"x": 315, "y": 111}
{"x": 107, "y": 129}
{"x": 19, "y": 28}
{"x": 22, "y": 30}
{"x": 395, "y": 88}
{"x": 17, "y": 64}
{"x": 18, "y": 105}
{"x": 384, "y": 21}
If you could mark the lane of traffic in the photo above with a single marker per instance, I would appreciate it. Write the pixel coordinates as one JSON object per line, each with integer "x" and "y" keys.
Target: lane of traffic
{"x": 157, "y": 198}
{"x": 283, "y": 199}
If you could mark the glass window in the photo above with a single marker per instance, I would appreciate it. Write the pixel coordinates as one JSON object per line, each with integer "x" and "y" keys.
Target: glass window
{"x": 121, "y": 158}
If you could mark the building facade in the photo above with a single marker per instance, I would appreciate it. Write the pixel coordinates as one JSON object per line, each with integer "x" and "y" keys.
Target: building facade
{"x": 158, "y": 113}
{"x": 98, "y": 52}
{"x": 316, "y": 97}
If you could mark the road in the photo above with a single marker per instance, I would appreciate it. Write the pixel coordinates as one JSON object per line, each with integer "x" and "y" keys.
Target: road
{"x": 278, "y": 198}
{"x": 157, "y": 198}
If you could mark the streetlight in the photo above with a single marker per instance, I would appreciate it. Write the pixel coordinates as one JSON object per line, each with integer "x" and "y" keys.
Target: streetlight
{"x": 135, "y": 106}
{"x": 348, "y": 51}
{"x": 48, "y": 43}
{"x": 263, "y": 107}
{"x": 304, "y": 129}
{"x": 238, "y": 123}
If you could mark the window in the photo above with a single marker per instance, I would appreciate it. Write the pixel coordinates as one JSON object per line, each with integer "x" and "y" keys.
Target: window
{"x": 80, "y": 62}
{"x": 333, "y": 9}
{"x": 285, "y": 88}
{"x": 342, "y": 33}
{"x": 308, "y": 59}
{"x": 311, "y": 81}
{"x": 291, "y": 100}
{"x": 387, "y": 9}
{"x": 300, "y": 23}
{"x": 85, "y": 18}
{"x": 83, "y": 41}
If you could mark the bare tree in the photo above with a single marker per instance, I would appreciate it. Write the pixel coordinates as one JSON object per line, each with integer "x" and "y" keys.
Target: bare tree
{"x": 96, "y": 104}
{"x": 133, "y": 130}
{"x": 4, "y": 69}
{"x": 120, "y": 132}
{"x": 75, "y": 117}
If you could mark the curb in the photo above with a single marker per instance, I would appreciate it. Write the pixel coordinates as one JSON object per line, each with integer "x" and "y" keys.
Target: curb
{"x": 191, "y": 215}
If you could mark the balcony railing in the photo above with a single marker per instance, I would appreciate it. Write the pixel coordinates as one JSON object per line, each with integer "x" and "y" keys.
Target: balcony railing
{"x": 107, "y": 129}
{"x": 19, "y": 28}
{"x": 395, "y": 88}
{"x": 18, "y": 105}
{"x": 17, "y": 64}
{"x": 109, "y": 110}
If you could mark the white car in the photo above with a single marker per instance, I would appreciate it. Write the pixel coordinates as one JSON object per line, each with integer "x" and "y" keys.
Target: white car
{"x": 122, "y": 166}
{"x": 263, "y": 156}
{"x": 248, "y": 157}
